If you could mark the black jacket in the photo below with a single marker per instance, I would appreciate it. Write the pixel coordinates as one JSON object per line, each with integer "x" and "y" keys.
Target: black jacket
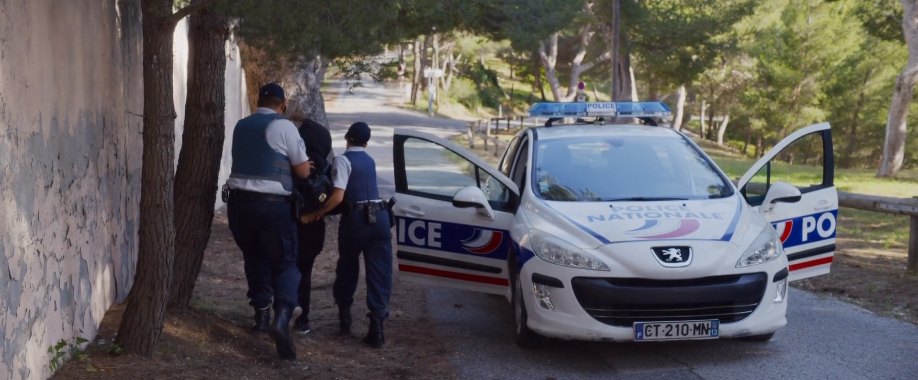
{"x": 318, "y": 142}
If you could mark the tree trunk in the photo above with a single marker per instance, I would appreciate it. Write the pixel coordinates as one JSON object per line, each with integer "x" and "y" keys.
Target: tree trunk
{"x": 723, "y": 128}
{"x": 537, "y": 83}
{"x": 449, "y": 68}
{"x": 704, "y": 128}
{"x": 712, "y": 112}
{"x": 425, "y": 60}
{"x": 847, "y": 160}
{"x": 746, "y": 141}
{"x": 577, "y": 66}
{"x": 631, "y": 81}
{"x": 435, "y": 59}
{"x": 416, "y": 75}
{"x": 314, "y": 84}
{"x": 202, "y": 146}
{"x": 306, "y": 99}
{"x": 622, "y": 74}
{"x": 615, "y": 45}
{"x": 896, "y": 128}
{"x": 142, "y": 322}
{"x": 680, "y": 108}
{"x": 548, "y": 55}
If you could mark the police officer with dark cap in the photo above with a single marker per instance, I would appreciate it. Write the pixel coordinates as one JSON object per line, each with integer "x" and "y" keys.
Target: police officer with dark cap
{"x": 364, "y": 228}
{"x": 267, "y": 153}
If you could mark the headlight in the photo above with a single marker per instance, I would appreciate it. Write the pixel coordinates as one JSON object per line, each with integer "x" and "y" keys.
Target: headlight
{"x": 557, "y": 251}
{"x": 766, "y": 247}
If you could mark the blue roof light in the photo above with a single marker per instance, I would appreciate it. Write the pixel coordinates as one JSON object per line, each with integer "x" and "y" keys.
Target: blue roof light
{"x": 596, "y": 109}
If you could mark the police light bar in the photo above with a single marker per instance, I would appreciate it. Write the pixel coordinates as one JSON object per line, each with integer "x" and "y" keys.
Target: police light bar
{"x": 596, "y": 109}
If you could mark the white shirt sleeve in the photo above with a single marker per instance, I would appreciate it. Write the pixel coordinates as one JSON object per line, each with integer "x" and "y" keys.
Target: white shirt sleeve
{"x": 341, "y": 172}
{"x": 283, "y": 137}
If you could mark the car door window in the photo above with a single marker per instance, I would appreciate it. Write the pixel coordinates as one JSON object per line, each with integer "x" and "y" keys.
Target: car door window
{"x": 801, "y": 164}
{"x": 507, "y": 160}
{"x": 518, "y": 168}
{"x": 434, "y": 171}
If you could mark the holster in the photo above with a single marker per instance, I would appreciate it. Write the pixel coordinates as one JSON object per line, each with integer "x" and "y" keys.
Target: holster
{"x": 389, "y": 206}
{"x": 297, "y": 200}
{"x": 225, "y": 193}
{"x": 366, "y": 210}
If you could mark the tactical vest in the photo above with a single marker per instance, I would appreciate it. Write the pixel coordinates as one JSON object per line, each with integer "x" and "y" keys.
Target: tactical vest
{"x": 253, "y": 158}
{"x": 361, "y": 185}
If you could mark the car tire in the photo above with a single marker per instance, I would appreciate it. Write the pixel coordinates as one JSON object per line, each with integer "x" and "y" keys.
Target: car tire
{"x": 524, "y": 337}
{"x": 758, "y": 338}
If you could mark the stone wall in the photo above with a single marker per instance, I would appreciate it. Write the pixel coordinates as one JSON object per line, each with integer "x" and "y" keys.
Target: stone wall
{"x": 71, "y": 105}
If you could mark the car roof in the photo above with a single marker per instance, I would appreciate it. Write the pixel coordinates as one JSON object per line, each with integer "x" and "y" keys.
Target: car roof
{"x": 617, "y": 130}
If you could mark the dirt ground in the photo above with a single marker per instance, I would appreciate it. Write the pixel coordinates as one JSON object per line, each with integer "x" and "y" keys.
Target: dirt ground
{"x": 869, "y": 275}
{"x": 213, "y": 341}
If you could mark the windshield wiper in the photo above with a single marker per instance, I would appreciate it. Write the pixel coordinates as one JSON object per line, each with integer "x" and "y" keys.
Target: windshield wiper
{"x": 644, "y": 199}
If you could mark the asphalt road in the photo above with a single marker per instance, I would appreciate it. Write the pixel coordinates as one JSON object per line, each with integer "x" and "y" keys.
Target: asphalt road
{"x": 824, "y": 339}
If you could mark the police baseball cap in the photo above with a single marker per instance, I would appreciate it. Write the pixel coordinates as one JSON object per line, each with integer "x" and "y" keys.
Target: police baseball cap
{"x": 358, "y": 133}
{"x": 271, "y": 89}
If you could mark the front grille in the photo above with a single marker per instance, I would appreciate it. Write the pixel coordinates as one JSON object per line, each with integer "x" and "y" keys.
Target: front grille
{"x": 623, "y": 301}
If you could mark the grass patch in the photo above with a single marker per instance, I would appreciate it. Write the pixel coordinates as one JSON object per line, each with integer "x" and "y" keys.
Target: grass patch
{"x": 861, "y": 181}
{"x": 868, "y": 228}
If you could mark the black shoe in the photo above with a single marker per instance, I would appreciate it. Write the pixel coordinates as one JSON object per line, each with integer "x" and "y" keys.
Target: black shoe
{"x": 280, "y": 331}
{"x": 344, "y": 319}
{"x": 301, "y": 326}
{"x": 262, "y": 320}
{"x": 374, "y": 336}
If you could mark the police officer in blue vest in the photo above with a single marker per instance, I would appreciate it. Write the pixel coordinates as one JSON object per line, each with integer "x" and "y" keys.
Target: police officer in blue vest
{"x": 267, "y": 153}
{"x": 364, "y": 228}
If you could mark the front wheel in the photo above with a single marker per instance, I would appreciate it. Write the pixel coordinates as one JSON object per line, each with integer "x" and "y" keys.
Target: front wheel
{"x": 525, "y": 338}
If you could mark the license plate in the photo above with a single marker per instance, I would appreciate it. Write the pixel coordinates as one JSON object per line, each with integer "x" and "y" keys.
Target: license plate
{"x": 705, "y": 329}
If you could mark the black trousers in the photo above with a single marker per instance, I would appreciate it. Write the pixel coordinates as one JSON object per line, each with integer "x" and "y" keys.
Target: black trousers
{"x": 311, "y": 240}
{"x": 266, "y": 233}
{"x": 357, "y": 236}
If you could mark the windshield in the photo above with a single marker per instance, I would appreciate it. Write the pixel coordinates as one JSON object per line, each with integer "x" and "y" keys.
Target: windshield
{"x": 625, "y": 169}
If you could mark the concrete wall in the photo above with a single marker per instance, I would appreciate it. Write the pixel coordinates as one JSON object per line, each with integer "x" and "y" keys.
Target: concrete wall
{"x": 71, "y": 105}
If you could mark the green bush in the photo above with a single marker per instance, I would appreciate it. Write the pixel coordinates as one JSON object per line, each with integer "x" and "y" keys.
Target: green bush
{"x": 485, "y": 80}
{"x": 464, "y": 91}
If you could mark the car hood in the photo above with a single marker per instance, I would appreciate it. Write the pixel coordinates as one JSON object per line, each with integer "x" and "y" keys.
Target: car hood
{"x": 616, "y": 222}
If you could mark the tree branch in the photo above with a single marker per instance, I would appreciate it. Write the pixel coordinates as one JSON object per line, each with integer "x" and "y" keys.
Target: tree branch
{"x": 187, "y": 10}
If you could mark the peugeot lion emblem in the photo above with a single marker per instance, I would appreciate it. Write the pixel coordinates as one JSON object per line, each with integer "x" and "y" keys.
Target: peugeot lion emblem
{"x": 672, "y": 257}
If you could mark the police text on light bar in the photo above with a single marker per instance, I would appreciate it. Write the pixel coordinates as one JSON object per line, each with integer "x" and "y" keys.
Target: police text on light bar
{"x": 595, "y": 109}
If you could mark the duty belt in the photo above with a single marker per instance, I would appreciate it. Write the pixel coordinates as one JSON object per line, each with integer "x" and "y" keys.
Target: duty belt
{"x": 245, "y": 195}
{"x": 370, "y": 206}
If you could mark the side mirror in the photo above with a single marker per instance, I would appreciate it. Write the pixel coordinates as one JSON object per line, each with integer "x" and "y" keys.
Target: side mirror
{"x": 780, "y": 192}
{"x": 471, "y": 196}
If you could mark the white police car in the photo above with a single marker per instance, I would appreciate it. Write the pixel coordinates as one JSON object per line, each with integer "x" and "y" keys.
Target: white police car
{"x": 618, "y": 232}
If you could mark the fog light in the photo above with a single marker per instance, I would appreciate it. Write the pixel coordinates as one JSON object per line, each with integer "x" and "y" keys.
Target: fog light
{"x": 542, "y": 296}
{"x": 781, "y": 293}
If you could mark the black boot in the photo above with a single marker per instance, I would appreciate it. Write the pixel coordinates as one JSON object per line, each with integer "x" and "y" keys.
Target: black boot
{"x": 262, "y": 319}
{"x": 344, "y": 319}
{"x": 375, "y": 336}
{"x": 280, "y": 331}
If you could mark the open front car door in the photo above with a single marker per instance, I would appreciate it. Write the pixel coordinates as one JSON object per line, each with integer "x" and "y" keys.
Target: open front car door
{"x": 453, "y": 215}
{"x": 793, "y": 187}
